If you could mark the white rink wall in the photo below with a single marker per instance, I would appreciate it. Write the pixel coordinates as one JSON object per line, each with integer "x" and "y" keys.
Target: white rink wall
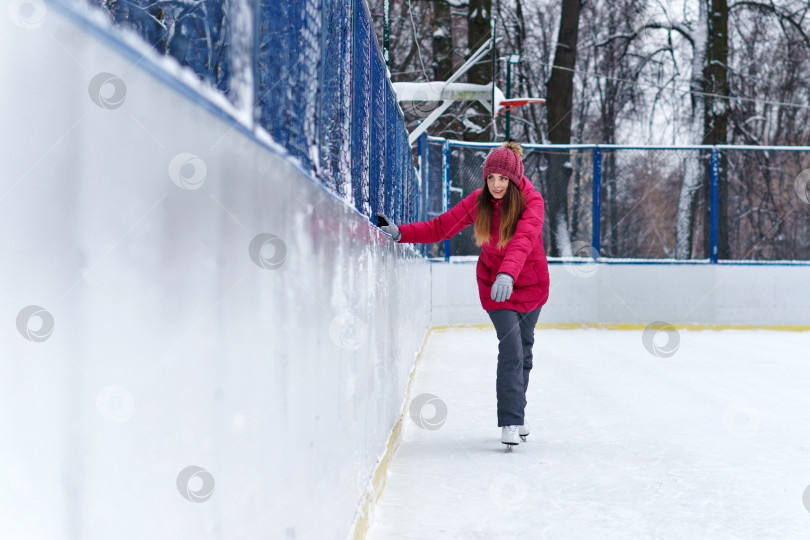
{"x": 171, "y": 347}
{"x": 641, "y": 293}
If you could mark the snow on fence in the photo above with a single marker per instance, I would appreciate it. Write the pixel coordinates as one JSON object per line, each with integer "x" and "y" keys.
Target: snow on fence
{"x": 309, "y": 74}
{"x": 623, "y": 200}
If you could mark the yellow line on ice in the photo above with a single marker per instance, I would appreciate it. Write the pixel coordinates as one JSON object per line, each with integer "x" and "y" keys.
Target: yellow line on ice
{"x": 381, "y": 470}
{"x": 629, "y": 326}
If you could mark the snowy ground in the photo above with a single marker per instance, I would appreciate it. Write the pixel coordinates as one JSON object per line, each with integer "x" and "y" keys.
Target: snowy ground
{"x": 712, "y": 442}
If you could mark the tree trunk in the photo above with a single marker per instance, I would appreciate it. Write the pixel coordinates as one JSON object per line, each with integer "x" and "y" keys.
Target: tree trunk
{"x": 442, "y": 33}
{"x": 479, "y": 29}
{"x": 519, "y": 87}
{"x": 560, "y": 92}
{"x": 479, "y": 16}
{"x": 694, "y": 171}
{"x": 715, "y": 123}
{"x": 608, "y": 111}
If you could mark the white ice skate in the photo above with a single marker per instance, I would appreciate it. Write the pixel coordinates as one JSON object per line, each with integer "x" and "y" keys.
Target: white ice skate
{"x": 509, "y": 437}
{"x": 524, "y": 431}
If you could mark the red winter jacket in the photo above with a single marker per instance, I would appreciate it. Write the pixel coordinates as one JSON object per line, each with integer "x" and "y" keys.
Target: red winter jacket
{"x": 523, "y": 257}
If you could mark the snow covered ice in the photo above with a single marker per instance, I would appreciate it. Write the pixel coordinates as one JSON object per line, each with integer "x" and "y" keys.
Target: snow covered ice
{"x": 712, "y": 442}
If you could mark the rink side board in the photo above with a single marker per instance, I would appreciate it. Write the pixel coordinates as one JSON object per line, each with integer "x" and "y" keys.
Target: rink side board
{"x": 380, "y": 474}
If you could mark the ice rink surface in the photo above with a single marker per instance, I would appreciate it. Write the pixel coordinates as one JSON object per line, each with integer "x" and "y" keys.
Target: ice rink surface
{"x": 712, "y": 442}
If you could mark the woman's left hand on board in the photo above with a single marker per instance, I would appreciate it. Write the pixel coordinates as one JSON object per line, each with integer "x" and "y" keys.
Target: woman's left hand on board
{"x": 388, "y": 227}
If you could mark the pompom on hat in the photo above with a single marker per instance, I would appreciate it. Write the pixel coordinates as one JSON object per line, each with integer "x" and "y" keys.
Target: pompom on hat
{"x": 506, "y": 161}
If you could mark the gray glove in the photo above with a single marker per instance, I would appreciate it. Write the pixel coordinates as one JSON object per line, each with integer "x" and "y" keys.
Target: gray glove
{"x": 502, "y": 288}
{"x": 388, "y": 227}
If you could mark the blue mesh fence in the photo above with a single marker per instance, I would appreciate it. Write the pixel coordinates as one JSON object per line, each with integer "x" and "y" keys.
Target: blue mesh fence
{"x": 761, "y": 210}
{"x": 287, "y": 55}
{"x": 320, "y": 86}
{"x": 377, "y": 146}
{"x": 197, "y": 34}
{"x": 390, "y": 106}
{"x": 361, "y": 108}
{"x": 433, "y": 191}
{"x": 466, "y": 175}
{"x": 335, "y": 95}
{"x": 768, "y": 209}
{"x": 640, "y": 192}
{"x": 434, "y": 194}
{"x": 579, "y": 214}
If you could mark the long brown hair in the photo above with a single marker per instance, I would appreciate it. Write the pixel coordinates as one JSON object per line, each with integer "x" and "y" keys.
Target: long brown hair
{"x": 511, "y": 209}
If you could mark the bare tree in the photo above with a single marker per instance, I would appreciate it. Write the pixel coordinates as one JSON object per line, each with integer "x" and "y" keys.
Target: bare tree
{"x": 560, "y": 89}
{"x": 711, "y": 94}
{"x": 442, "y": 36}
{"x": 692, "y": 180}
{"x": 479, "y": 29}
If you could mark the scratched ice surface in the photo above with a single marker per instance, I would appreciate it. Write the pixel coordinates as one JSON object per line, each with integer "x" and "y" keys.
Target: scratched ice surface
{"x": 711, "y": 442}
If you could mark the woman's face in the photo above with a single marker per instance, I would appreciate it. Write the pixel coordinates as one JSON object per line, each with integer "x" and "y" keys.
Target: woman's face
{"x": 497, "y": 185}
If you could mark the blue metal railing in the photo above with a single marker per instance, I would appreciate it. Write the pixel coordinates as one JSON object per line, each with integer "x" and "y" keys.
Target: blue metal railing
{"x": 597, "y": 197}
{"x": 714, "y": 211}
{"x": 446, "y": 191}
{"x": 633, "y": 193}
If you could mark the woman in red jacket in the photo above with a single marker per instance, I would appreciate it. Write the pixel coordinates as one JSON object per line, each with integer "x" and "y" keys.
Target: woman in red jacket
{"x": 512, "y": 270}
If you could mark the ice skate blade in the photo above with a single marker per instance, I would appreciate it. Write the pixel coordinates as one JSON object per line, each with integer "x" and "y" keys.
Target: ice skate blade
{"x": 523, "y": 438}
{"x": 510, "y": 446}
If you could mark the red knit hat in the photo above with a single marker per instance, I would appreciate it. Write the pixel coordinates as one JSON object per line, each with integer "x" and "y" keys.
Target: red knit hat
{"x": 506, "y": 162}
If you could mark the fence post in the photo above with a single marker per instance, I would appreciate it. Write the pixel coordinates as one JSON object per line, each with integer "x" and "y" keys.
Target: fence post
{"x": 424, "y": 176}
{"x": 255, "y": 116}
{"x": 446, "y": 192}
{"x": 714, "y": 211}
{"x": 386, "y": 32}
{"x": 596, "y": 212}
{"x": 508, "y": 95}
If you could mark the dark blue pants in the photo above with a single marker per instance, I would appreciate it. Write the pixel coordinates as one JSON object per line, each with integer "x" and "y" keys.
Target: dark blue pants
{"x": 515, "y": 332}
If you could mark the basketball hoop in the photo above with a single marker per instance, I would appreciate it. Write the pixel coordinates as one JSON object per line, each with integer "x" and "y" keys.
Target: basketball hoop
{"x": 513, "y": 103}
{"x": 450, "y": 91}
